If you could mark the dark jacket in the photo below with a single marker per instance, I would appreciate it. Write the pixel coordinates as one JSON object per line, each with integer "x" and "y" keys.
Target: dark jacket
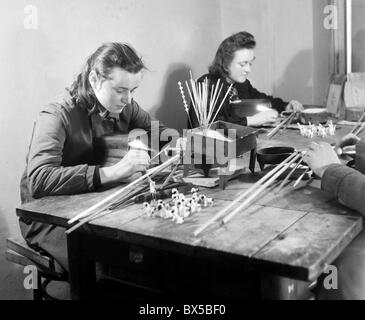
{"x": 347, "y": 184}
{"x": 61, "y": 158}
{"x": 241, "y": 91}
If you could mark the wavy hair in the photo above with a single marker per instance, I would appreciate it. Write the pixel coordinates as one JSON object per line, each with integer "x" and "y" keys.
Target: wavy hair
{"x": 227, "y": 49}
{"x": 102, "y": 61}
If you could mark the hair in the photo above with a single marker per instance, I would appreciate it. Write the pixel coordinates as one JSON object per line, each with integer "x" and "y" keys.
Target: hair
{"x": 227, "y": 49}
{"x": 102, "y": 61}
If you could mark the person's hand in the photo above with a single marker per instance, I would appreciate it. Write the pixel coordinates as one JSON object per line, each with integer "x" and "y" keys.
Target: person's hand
{"x": 263, "y": 117}
{"x": 294, "y": 106}
{"x": 135, "y": 161}
{"x": 320, "y": 156}
{"x": 348, "y": 140}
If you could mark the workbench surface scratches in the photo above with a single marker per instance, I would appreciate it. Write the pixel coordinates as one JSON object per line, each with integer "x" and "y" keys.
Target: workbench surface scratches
{"x": 67, "y": 206}
{"x": 312, "y": 242}
{"x": 119, "y": 217}
{"x": 160, "y": 228}
{"x": 244, "y": 235}
{"x": 309, "y": 199}
{"x": 250, "y": 230}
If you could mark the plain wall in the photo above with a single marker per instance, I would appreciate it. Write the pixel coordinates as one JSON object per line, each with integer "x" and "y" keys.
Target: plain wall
{"x": 292, "y": 45}
{"x": 36, "y": 65}
{"x": 172, "y": 36}
{"x": 256, "y": 18}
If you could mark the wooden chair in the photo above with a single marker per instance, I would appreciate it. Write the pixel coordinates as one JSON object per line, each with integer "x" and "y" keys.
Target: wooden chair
{"x": 48, "y": 270}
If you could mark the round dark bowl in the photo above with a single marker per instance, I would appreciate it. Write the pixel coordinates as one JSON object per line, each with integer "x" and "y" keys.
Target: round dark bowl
{"x": 314, "y": 116}
{"x": 273, "y": 155}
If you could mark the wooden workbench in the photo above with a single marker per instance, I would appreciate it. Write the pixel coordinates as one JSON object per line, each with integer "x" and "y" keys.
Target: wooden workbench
{"x": 294, "y": 234}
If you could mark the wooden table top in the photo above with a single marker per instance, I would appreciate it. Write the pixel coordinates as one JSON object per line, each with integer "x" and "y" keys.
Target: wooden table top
{"x": 294, "y": 233}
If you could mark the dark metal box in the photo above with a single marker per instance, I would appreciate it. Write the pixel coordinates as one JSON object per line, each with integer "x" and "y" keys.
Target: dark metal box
{"x": 232, "y": 140}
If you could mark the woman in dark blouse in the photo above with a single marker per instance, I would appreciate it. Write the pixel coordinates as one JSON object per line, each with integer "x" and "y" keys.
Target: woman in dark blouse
{"x": 232, "y": 65}
{"x": 62, "y": 159}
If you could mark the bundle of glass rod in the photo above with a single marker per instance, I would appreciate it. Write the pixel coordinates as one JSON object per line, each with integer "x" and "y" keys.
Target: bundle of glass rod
{"x": 99, "y": 208}
{"x": 204, "y": 98}
{"x": 252, "y": 193}
{"x": 101, "y": 211}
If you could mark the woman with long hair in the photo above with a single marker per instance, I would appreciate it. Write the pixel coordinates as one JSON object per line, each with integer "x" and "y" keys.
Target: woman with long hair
{"x": 62, "y": 159}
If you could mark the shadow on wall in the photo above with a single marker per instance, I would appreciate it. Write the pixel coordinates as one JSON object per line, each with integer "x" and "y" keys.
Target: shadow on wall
{"x": 40, "y": 69}
{"x": 171, "y": 109}
{"x": 358, "y": 51}
{"x": 297, "y": 82}
{"x": 30, "y": 56}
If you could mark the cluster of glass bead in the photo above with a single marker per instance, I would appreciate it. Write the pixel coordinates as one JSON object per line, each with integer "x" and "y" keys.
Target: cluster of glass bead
{"x": 178, "y": 207}
{"x": 311, "y": 130}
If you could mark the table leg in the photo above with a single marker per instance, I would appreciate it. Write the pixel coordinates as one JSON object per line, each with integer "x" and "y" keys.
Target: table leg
{"x": 252, "y": 160}
{"x": 82, "y": 274}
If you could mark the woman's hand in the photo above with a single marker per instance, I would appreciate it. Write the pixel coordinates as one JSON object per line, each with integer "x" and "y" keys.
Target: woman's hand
{"x": 320, "y": 156}
{"x": 294, "y": 106}
{"x": 263, "y": 117}
{"x": 348, "y": 140}
{"x": 134, "y": 161}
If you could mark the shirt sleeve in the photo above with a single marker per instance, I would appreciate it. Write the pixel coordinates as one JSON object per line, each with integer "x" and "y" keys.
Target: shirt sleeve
{"x": 45, "y": 174}
{"x": 347, "y": 185}
{"x": 227, "y": 115}
{"x": 277, "y": 103}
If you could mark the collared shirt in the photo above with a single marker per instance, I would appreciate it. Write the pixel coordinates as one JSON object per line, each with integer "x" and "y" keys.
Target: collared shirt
{"x": 107, "y": 115}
